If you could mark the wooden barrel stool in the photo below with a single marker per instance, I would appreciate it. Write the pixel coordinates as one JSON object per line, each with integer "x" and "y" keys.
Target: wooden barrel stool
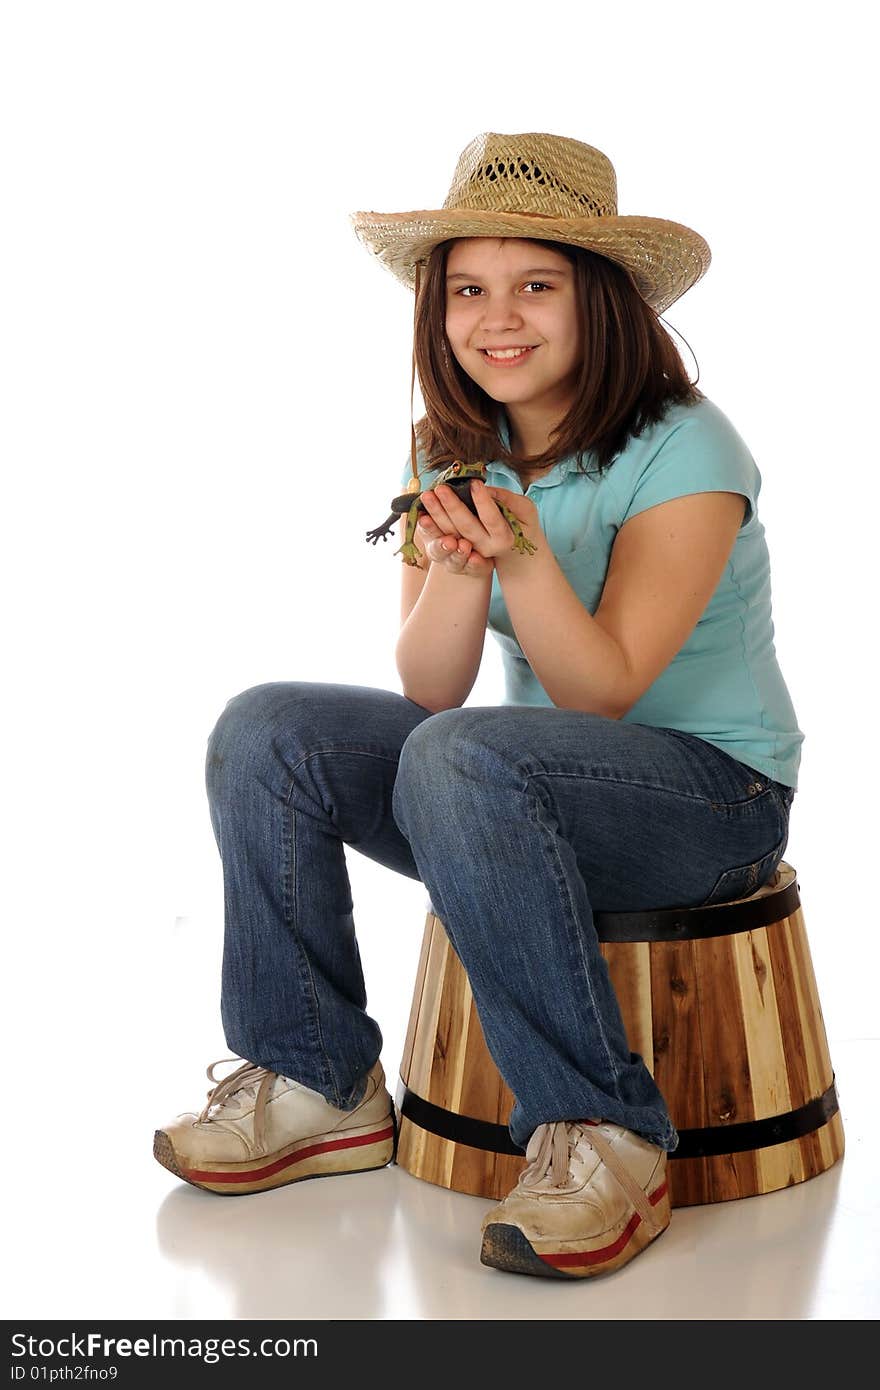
{"x": 721, "y": 1003}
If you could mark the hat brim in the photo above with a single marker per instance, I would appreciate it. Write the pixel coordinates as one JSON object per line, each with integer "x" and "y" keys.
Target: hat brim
{"x": 664, "y": 258}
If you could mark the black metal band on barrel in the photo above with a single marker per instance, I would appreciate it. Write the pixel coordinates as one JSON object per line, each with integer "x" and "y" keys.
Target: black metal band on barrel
{"x": 758, "y": 1134}
{"x": 692, "y": 1143}
{"x": 692, "y": 923}
{"x": 460, "y": 1129}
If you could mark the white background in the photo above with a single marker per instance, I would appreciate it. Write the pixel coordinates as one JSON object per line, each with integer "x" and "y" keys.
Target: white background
{"x": 206, "y": 404}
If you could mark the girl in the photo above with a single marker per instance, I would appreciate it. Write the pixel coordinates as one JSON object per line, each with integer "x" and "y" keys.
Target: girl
{"x": 645, "y": 755}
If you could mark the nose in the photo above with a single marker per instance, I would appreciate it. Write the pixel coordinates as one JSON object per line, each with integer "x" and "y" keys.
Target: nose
{"x": 500, "y": 311}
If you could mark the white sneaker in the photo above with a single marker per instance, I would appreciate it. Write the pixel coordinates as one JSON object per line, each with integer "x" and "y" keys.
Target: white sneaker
{"x": 260, "y": 1130}
{"x": 592, "y": 1196}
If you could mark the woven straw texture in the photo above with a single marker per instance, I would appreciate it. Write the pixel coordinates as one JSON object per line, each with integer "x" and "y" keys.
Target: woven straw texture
{"x": 549, "y": 188}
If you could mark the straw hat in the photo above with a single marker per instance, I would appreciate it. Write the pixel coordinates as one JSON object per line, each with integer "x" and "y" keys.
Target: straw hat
{"x": 548, "y": 188}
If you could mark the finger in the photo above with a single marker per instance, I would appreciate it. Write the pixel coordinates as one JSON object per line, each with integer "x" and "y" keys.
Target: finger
{"x": 488, "y": 507}
{"x": 454, "y": 559}
{"x": 443, "y": 548}
{"x": 456, "y": 515}
{"x": 460, "y": 550}
{"x": 522, "y": 507}
{"x": 431, "y": 532}
{"x": 491, "y": 519}
{"x": 478, "y": 565}
{"x": 434, "y": 516}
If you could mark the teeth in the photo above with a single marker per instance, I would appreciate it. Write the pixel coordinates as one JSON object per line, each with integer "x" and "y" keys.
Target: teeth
{"x": 507, "y": 352}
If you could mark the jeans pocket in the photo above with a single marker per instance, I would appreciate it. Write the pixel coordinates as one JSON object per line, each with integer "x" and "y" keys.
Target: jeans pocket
{"x": 747, "y": 878}
{"x": 784, "y": 795}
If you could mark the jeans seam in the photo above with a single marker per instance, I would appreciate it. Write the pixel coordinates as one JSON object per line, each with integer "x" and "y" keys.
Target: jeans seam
{"x": 290, "y": 913}
{"x": 752, "y": 870}
{"x": 319, "y": 752}
{"x": 590, "y": 776}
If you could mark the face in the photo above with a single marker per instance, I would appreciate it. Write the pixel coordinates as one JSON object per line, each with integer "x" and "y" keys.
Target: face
{"x": 507, "y": 294}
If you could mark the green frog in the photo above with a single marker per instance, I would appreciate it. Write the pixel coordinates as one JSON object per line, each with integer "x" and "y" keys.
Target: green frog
{"x": 458, "y": 476}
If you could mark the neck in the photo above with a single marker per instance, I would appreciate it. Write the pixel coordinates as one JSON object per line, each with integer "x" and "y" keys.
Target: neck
{"x": 530, "y": 430}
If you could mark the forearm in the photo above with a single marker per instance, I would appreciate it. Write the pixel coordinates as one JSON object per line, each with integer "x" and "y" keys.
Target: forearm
{"x": 579, "y": 664}
{"x": 440, "y": 646}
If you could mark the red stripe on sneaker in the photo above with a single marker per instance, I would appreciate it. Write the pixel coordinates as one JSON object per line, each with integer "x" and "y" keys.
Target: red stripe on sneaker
{"x": 257, "y": 1174}
{"x": 608, "y": 1252}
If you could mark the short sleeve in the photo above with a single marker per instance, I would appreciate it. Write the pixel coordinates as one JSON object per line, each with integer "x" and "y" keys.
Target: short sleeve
{"x": 702, "y": 453}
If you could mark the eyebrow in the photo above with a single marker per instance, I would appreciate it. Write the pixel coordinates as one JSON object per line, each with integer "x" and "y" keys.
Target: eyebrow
{"x": 536, "y": 270}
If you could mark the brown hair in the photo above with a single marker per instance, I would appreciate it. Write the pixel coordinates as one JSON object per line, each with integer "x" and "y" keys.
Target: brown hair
{"x": 630, "y": 373}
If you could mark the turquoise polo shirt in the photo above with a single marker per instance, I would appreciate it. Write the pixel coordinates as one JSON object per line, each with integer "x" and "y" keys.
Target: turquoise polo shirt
{"x": 725, "y": 684}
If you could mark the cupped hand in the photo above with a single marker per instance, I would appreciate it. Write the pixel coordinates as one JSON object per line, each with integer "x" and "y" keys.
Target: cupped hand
{"x": 468, "y": 544}
{"x": 454, "y": 553}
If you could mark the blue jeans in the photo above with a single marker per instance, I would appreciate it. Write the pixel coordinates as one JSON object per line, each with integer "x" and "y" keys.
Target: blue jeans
{"x": 520, "y": 822}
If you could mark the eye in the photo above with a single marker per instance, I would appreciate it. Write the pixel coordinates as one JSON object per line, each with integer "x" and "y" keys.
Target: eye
{"x": 464, "y": 292}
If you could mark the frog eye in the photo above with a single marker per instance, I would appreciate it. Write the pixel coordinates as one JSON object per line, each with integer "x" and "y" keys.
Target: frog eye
{"x": 457, "y": 467}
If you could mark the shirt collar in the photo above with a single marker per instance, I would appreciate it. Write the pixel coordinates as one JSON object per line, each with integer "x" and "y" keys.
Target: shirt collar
{"x": 553, "y": 475}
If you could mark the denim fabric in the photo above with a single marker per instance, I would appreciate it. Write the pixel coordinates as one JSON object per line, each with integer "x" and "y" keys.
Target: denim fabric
{"x": 521, "y": 822}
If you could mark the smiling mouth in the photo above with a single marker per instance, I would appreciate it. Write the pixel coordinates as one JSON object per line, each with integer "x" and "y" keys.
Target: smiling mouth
{"x": 511, "y": 354}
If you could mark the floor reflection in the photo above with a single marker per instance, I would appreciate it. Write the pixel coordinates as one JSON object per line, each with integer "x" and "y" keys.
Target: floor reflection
{"x": 387, "y": 1245}
{"x": 756, "y": 1258}
{"x": 313, "y": 1249}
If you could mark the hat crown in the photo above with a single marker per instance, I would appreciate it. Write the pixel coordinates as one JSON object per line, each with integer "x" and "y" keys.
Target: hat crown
{"x": 545, "y": 175}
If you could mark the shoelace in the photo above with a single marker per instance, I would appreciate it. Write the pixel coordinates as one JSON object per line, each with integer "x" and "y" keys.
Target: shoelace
{"x": 255, "y": 1081}
{"x": 548, "y": 1156}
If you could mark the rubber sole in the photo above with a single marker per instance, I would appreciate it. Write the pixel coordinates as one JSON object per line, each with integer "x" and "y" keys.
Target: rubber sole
{"x": 319, "y": 1157}
{"x": 507, "y": 1247}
